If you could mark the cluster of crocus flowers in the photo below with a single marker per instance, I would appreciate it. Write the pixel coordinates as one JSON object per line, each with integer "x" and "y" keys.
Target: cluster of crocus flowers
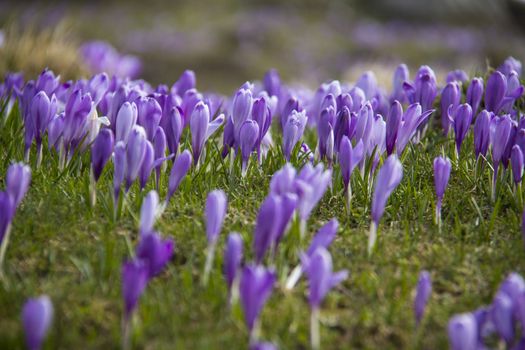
{"x": 17, "y": 180}
{"x": 470, "y": 330}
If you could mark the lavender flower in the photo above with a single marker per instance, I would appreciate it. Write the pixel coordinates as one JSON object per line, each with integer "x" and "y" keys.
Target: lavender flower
{"x": 272, "y": 82}
{"x": 495, "y": 92}
{"x": 442, "y": 167}
{"x": 154, "y": 252}
{"x": 135, "y": 154}
{"x": 475, "y": 94}
{"x": 411, "y": 121}
{"x": 392, "y": 126}
{"x": 401, "y": 75}
{"x": 241, "y": 110}
{"x": 148, "y": 212}
{"x": 516, "y": 160}
{"x": 126, "y": 119}
{"x": 201, "y": 128}
{"x": 450, "y": 98}
{"x": 463, "y": 332}
{"x": 266, "y": 226}
{"x": 293, "y": 131}
{"x": 424, "y": 88}
{"x": 149, "y": 114}
{"x": 349, "y": 158}
{"x": 18, "y": 179}
{"x": 180, "y": 168}
{"x": 482, "y": 133}
{"x": 37, "y": 316}
{"x": 248, "y": 136}
{"x": 500, "y": 129}
{"x": 423, "y": 291}
{"x": 255, "y": 288}
{"x": 147, "y": 165}
{"x": 387, "y": 180}
{"x": 461, "y": 118}
{"x": 101, "y": 152}
{"x": 232, "y": 263}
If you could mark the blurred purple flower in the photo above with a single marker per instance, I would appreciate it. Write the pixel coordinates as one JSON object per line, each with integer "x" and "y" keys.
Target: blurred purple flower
{"x": 37, "y": 316}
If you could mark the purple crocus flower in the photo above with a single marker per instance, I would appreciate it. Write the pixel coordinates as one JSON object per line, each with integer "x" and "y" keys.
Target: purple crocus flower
{"x": 248, "y": 136}
{"x": 423, "y": 291}
{"x": 266, "y": 226}
{"x": 461, "y": 118}
{"x": 463, "y": 332}
{"x": 119, "y": 164}
{"x": 7, "y": 210}
{"x": 159, "y": 145}
{"x": 516, "y": 161}
{"x": 76, "y": 112}
{"x": 54, "y": 131}
{"x": 149, "y": 114}
{"x": 180, "y": 168}
{"x": 216, "y": 205}
{"x": 392, "y": 125}
{"x": 263, "y": 346}
{"x": 241, "y": 110}
{"x": 292, "y": 105}
{"x": 321, "y": 279}
{"x": 510, "y": 64}
{"x": 154, "y": 252}
{"x": 201, "y": 128}
{"x": 135, "y": 153}
{"x": 255, "y": 288}
{"x": 42, "y": 110}
{"x": 147, "y": 165}
{"x": 412, "y": 119}
{"x": 457, "y": 75}
{"x": 17, "y": 179}
{"x": 187, "y": 81}
{"x": 148, "y": 212}
{"x": 37, "y": 316}
{"x": 502, "y": 316}
{"x": 344, "y": 125}
{"x": 495, "y": 92}
{"x": 272, "y": 82}
{"x": 262, "y": 115}
{"x": 135, "y": 275}
{"x": 387, "y": 180}
{"x": 424, "y": 88}
{"x": 126, "y": 119}
{"x": 442, "y": 167}
{"x": 293, "y": 131}
{"x": 475, "y": 94}
{"x": 401, "y": 75}
{"x": 500, "y": 130}
{"x": 101, "y": 151}
{"x": 349, "y": 158}
{"x": 232, "y": 260}
{"x": 482, "y": 133}
{"x": 450, "y": 97}
{"x": 325, "y": 127}
{"x": 172, "y": 125}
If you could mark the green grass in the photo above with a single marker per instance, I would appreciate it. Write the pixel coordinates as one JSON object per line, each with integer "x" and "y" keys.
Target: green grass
{"x": 72, "y": 252}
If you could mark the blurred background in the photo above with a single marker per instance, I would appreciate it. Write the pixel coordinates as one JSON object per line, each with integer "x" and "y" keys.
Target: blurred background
{"x": 230, "y": 41}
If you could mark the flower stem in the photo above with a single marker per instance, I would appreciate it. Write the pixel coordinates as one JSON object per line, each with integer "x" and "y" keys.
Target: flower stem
{"x": 209, "y": 263}
{"x": 3, "y": 249}
{"x": 372, "y": 237}
{"x": 292, "y": 280}
{"x": 315, "y": 338}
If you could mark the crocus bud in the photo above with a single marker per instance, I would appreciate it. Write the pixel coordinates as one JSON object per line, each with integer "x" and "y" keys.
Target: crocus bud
{"x": 293, "y": 131}
{"x": 135, "y": 275}
{"x": 42, "y": 110}
{"x": 496, "y": 88}
{"x": 482, "y": 133}
{"x": 148, "y": 115}
{"x": 342, "y": 127}
{"x": 178, "y": 172}
{"x": 232, "y": 258}
{"x": 502, "y": 316}
{"x": 7, "y": 209}
{"x": 126, "y": 119}
{"x": 47, "y": 81}
{"x": 349, "y": 158}
{"x": 323, "y": 237}
{"x": 101, "y": 151}
{"x": 18, "y": 178}
{"x": 272, "y": 82}
{"x": 199, "y": 127}
{"x": 324, "y": 127}
{"x": 267, "y": 224}
{"x": 261, "y": 114}
{"x": 135, "y": 152}
{"x": 255, "y": 288}
{"x": 98, "y": 86}
{"x": 37, "y": 316}
{"x": 442, "y": 167}
{"x": 392, "y": 125}
{"x": 283, "y": 180}
{"x": 291, "y": 105}
{"x": 173, "y": 129}
{"x": 316, "y": 180}
{"x": 119, "y": 164}
{"x": 450, "y": 97}
{"x": 516, "y": 160}
{"x": 159, "y": 145}
{"x": 387, "y": 180}
{"x": 475, "y": 94}
{"x": 187, "y": 81}
{"x": 55, "y": 130}
{"x": 510, "y": 64}
{"x": 148, "y": 212}
{"x": 248, "y": 136}
{"x": 423, "y": 291}
{"x": 457, "y": 75}
{"x": 461, "y": 117}
{"x": 401, "y": 75}
{"x": 147, "y": 165}
{"x": 216, "y": 204}
{"x": 411, "y": 121}
{"x": 241, "y": 110}
{"x": 77, "y": 109}
{"x": 155, "y": 252}
{"x": 318, "y": 267}
{"x": 463, "y": 332}
{"x": 500, "y": 130}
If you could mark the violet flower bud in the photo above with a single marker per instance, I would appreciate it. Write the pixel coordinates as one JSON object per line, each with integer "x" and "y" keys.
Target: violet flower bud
{"x": 126, "y": 119}
{"x": 502, "y": 316}
{"x": 199, "y": 127}
{"x": 54, "y": 130}
{"x": 241, "y": 110}
{"x": 135, "y": 153}
{"x": 442, "y": 167}
{"x": 119, "y": 172}
{"x": 344, "y": 100}
{"x": 321, "y": 278}
{"x": 349, "y": 158}
{"x": 463, "y": 332}
{"x": 135, "y": 276}
{"x": 325, "y": 125}
{"x": 42, "y": 110}
{"x": 500, "y": 130}
{"x": 255, "y": 288}
{"x": 154, "y": 252}
{"x": 101, "y": 151}
{"x": 228, "y": 137}
{"x": 401, "y": 75}
{"x": 510, "y": 64}
{"x": 159, "y": 146}
{"x": 482, "y": 133}
{"x": 216, "y": 205}
{"x": 232, "y": 258}
{"x": 411, "y": 121}
{"x": 272, "y": 82}
{"x": 180, "y": 168}
{"x": 267, "y": 224}
{"x": 261, "y": 114}
{"x": 323, "y": 237}
{"x": 248, "y": 136}
{"x": 47, "y": 82}
{"x": 149, "y": 114}
{"x": 173, "y": 129}
{"x": 423, "y": 291}
{"x": 387, "y": 180}
{"x": 37, "y": 316}
{"x": 291, "y": 105}
{"x": 475, "y": 94}
{"x": 343, "y": 126}
{"x": 187, "y": 81}
{"x": 18, "y": 178}
{"x": 7, "y": 211}
{"x": 283, "y": 180}
{"x": 457, "y": 75}
{"x": 461, "y": 118}
{"x": 312, "y": 184}
{"x": 147, "y": 165}
{"x": 77, "y": 109}
{"x": 293, "y": 131}
{"x": 516, "y": 160}
{"x": 450, "y": 98}
{"x": 392, "y": 125}
{"x": 495, "y": 92}
{"x": 148, "y": 212}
